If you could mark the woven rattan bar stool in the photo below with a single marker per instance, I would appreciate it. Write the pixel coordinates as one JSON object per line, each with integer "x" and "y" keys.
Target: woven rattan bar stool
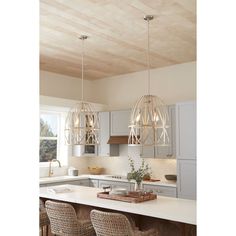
{"x": 115, "y": 224}
{"x": 43, "y": 219}
{"x": 64, "y": 221}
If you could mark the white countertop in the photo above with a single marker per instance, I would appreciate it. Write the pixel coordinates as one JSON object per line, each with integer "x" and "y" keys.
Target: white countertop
{"x": 55, "y": 179}
{"x": 175, "y": 209}
{"x": 63, "y": 178}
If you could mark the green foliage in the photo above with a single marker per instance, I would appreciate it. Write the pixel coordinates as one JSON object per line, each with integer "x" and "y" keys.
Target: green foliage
{"x": 48, "y": 148}
{"x": 138, "y": 174}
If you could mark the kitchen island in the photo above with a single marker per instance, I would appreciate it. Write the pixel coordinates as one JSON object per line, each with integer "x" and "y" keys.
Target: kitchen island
{"x": 163, "y": 208}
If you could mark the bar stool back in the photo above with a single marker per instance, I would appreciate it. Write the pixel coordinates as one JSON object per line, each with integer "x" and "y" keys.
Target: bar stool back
{"x": 64, "y": 222}
{"x": 115, "y": 224}
{"x": 43, "y": 219}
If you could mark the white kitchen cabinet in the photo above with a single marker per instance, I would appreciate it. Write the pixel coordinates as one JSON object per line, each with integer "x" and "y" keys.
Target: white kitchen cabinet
{"x": 186, "y": 183}
{"x": 105, "y": 149}
{"x": 163, "y": 151}
{"x": 186, "y": 149}
{"x": 120, "y": 122}
{"x": 186, "y": 130}
{"x": 161, "y": 190}
{"x": 52, "y": 184}
{"x": 82, "y": 182}
{"x": 84, "y": 150}
{"x": 94, "y": 183}
{"x": 114, "y": 184}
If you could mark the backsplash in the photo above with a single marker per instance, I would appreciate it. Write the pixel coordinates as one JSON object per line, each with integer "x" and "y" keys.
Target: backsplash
{"x": 43, "y": 171}
{"x": 118, "y": 165}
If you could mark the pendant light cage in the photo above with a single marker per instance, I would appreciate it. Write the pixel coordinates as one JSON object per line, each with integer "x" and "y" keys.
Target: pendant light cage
{"x": 82, "y": 122}
{"x": 82, "y": 125}
{"x": 149, "y": 121}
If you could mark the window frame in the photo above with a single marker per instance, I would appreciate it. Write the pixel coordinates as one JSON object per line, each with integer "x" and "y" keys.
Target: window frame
{"x": 58, "y": 138}
{"x": 63, "y": 150}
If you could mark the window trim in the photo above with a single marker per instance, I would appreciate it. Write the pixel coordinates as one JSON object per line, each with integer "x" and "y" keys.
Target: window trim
{"x": 57, "y": 138}
{"x": 62, "y": 149}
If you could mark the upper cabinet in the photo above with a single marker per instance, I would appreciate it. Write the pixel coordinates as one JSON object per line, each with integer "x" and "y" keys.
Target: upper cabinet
{"x": 119, "y": 121}
{"x": 164, "y": 151}
{"x": 186, "y": 130}
{"x": 113, "y": 127}
{"x": 105, "y": 149}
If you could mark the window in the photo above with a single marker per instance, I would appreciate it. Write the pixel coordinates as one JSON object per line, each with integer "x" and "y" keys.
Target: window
{"x": 49, "y": 136}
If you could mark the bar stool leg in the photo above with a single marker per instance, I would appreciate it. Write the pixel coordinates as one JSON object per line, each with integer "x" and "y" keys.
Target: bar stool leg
{"x": 41, "y": 231}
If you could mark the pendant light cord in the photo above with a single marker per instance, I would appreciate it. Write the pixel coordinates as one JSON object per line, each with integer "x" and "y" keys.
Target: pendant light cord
{"x": 82, "y": 70}
{"x": 148, "y": 58}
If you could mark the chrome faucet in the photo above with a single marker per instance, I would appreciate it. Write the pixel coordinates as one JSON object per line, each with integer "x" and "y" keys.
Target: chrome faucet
{"x": 50, "y": 173}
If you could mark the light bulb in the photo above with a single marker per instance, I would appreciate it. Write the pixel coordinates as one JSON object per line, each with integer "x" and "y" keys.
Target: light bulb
{"x": 76, "y": 123}
{"x": 155, "y": 117}
{"x": 138, "y": 117}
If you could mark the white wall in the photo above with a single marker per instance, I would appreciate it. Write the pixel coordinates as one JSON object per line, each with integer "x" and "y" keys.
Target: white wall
{"x": 173, "y": 84}
{"x": 65, "y": 104}
{"x": 62, "y": 86}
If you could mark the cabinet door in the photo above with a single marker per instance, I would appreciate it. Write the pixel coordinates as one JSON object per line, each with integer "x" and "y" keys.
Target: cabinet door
{"x": 161, "y": 190}
{"x": 120, "y": 122}
{"x": 168, "y": 151}
{"x": 186, "y": 179}
{"x": 114, "y": 184}
{"x": 54, "y": 184}
{"x": 104, "y": 148}
{"x": 84, "y": 182}
{"x": 186, "y": 130}
{"x": 94, "y": 183}
{"x": 84, "y": 150}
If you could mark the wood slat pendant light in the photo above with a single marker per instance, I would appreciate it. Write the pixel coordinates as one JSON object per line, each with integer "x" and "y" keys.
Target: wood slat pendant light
{"x": 149, "y": 117}
{"x": 82, "y": 122}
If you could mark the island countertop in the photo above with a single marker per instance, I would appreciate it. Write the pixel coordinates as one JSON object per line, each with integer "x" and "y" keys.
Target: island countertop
{"x": 175, "y": 209}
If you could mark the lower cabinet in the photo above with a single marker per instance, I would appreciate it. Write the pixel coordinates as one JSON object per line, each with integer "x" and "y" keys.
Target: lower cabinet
{"x": 52, "y": 184}
{"x": 82, "y": 182}
{"x": 186, "y": 179}
{"x": 161, "y": 190}
{"x": 167, "y": 191}
{"x": 114, "y": 184}
{"x": 94, "y": 183}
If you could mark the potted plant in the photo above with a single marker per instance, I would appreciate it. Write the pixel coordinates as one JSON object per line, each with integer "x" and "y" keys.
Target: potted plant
{"x": 140, "y": 174}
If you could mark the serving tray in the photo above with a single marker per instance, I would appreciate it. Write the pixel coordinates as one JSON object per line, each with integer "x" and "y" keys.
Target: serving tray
{"x": 134, "y": 197}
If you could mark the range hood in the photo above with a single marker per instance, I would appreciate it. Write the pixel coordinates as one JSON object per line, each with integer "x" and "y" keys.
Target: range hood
{"x": 118, "y": 140}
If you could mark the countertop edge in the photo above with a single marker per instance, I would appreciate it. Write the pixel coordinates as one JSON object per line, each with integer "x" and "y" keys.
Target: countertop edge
{"x": 98, "y": 177}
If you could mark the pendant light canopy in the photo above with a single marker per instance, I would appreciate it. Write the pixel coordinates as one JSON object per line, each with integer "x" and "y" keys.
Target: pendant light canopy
{"x": 149, "y": 117}
{"x": 82, "y": 123}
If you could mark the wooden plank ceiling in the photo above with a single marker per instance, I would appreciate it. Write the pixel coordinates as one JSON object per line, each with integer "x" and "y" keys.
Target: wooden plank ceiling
{"x": 117, "y": 35}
